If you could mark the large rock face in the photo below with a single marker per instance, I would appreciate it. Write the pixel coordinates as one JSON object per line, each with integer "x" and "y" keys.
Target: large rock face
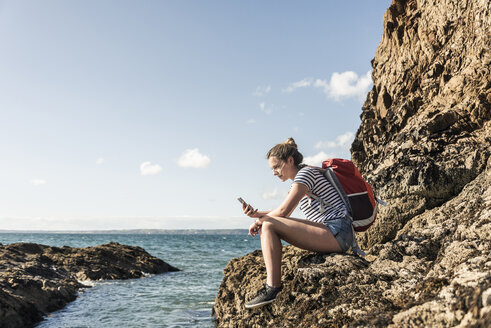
{"x": 425, "y": 144}
{"x": 37, "y": 279}
{"x": 425, "y": 128}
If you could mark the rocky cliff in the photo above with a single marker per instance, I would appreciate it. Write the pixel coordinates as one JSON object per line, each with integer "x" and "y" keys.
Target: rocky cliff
{"x": 424, "y": 143}
{"x": 425, "y": 124}
{"x": 37, "y": 279}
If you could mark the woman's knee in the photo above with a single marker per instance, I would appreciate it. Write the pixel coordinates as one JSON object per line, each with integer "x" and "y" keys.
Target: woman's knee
{"x": 268, "y": 224}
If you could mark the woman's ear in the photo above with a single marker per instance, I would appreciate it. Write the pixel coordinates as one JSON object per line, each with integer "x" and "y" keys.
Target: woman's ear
{"x": 291, "y": 161}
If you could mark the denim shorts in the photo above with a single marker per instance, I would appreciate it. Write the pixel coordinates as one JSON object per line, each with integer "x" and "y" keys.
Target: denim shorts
{"x": 341, "y": 229}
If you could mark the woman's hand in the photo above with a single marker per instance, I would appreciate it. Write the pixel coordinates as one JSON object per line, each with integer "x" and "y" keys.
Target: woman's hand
{"x": 254, "y": 228}
{"x": 250, "y": 211}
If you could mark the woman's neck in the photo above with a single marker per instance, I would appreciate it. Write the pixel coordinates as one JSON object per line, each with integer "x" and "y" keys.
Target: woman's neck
{"x": 294, "y": 173}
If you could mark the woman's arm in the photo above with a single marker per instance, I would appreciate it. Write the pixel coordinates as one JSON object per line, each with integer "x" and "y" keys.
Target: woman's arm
{"x": 296, "y": 193}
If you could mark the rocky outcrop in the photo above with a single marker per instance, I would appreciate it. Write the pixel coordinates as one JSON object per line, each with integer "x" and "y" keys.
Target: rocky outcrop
{"x": 425, "y": 145}
{"x": 425, "y": 128}
{"x": 37, "y": 279}
{"x": 436, "y": 272}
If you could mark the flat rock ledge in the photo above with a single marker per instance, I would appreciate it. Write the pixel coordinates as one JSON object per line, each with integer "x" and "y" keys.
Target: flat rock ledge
{"x": 38, "y": 279}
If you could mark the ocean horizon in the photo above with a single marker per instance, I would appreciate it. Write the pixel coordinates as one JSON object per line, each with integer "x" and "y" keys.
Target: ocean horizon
{"x": 136, "y": 231}
{"x": 175, "y": 299}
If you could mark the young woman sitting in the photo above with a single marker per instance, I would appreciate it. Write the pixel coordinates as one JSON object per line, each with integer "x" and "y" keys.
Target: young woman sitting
{"x": 326, "y": 228}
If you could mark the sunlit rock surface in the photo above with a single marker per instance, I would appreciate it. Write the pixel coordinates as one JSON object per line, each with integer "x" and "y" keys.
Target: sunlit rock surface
{"x": 425, "y": 144}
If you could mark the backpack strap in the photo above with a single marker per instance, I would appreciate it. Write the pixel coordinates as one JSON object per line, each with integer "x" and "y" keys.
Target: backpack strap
{"x": 381, "y": 202}
{"x": 354, "y": 244}
{"x": 333, "y": 180}
{"x": 322, "y": 203}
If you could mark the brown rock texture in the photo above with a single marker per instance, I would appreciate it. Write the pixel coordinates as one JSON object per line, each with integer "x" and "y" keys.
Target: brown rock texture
{"x": 425, "y": 124}
{"x": 37, "y": 279}
{"x": 425, "y": 144}
{"x": 436, "y": 272}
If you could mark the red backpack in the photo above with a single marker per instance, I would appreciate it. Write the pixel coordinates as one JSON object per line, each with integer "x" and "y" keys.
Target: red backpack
{"x": 355, "y": 192}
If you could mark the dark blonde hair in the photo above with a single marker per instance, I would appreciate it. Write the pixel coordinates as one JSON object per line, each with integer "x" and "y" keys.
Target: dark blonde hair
{"x": 286, "y": 149}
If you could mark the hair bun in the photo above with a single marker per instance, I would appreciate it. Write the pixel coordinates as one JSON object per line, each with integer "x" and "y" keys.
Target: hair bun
{"x": 285, "y": 150}
{"x": 290, "y": 142}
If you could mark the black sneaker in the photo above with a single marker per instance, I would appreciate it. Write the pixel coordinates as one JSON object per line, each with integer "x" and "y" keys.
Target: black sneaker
{"x": 264, "y": 296}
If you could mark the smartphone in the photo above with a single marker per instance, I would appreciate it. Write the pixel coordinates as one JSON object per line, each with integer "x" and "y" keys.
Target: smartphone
{"x": 241, "y": 200}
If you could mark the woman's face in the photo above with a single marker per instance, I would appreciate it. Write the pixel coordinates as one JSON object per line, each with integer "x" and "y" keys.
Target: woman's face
{"x": 282, "y": 169}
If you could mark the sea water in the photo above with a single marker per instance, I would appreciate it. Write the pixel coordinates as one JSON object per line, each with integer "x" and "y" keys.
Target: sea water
{"x": 175, "y": 299}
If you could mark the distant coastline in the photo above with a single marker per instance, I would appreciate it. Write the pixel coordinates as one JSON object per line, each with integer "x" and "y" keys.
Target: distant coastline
{"x": 141, "y": 231}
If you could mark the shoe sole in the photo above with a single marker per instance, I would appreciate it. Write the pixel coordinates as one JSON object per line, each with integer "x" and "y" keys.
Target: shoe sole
{"x": 253, "y": 306}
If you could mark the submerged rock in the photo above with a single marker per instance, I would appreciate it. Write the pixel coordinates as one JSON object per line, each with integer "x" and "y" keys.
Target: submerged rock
{"x": 425, "y": 145}
{"x": 37, "y": 279}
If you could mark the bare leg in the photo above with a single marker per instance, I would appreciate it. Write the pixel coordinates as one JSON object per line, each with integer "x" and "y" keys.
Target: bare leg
{"x": 272, "y": 250}
{"x": 301, "y": 233}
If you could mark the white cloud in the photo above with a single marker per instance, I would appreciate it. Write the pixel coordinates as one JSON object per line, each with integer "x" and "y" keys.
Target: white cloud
{"x": 38, "y": 182}
{"x": 317, "y": 159}
{"x": 271, "y": 195}
{"x": 250, "y": 121}
{"x": 194, "y": 159}
{"x": 325, "y": 144}
{"x": 275, "y": 194}
{"x": 341, "y": 85}
{"x": 322, "y": 84}
{"x": 307, "y": 82}
{"x": 148, "y": 168}
{"x": 262, "y": 91}
{"x": 266, "y": 109}
{"x": 342, "y": 141}
{"x": 99, "y": 161}
{"x": 346, "y": 85}
{"x": 345, "y": 139}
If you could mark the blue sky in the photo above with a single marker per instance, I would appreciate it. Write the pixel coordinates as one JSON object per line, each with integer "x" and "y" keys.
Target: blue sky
{"x": 158, "y": 114}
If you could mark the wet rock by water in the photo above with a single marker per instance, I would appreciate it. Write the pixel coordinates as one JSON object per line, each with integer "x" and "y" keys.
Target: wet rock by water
{"x": 37, "y": 279}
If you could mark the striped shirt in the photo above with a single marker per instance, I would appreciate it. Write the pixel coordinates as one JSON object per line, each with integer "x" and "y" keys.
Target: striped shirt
{"x": 321, "y": 187}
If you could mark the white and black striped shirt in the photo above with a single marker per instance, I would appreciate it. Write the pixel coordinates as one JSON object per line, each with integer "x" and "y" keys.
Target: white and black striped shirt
{"x": 321, "y": 187}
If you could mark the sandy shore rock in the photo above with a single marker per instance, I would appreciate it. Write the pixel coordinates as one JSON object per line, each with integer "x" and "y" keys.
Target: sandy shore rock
{"x": 37, "y": 279}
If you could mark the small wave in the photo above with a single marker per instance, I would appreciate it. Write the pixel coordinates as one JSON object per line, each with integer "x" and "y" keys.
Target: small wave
{"x": 87, "y": 283}
{"x": 92, "y": 283}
